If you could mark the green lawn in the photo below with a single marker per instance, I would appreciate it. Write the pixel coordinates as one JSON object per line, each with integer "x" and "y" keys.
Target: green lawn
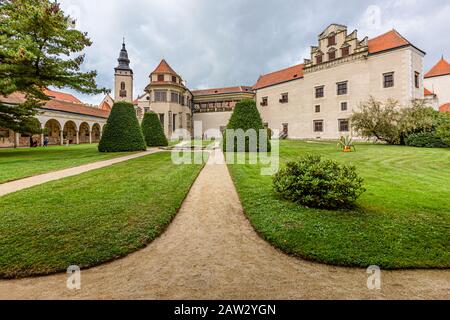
{"x": 91, "y": 218}
{"x": 402, "y": 221}
{"x": 21, "y": 163}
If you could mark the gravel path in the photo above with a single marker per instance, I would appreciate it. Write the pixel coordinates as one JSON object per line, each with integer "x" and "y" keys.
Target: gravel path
{"x": 13, "y": 186}
{"x": 210, "y": 251}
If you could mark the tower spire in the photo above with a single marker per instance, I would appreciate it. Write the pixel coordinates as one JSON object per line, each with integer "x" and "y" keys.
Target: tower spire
{"x": 124, "y": 61}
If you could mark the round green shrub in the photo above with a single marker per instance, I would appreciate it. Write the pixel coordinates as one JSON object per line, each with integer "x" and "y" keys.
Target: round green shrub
{"x": 122, "y": 132}
{"x": 153, "y": 131}
{"x": 318, "y": 183}
{"x": 425, "y": 140}
{"x": 246, "y": 117}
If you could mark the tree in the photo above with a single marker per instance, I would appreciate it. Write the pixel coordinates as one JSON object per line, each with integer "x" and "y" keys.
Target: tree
{"x": 153, "y": 131}
{"x": 122, "y": 132}
{"x": 39, "y": 48}
{"x": 443, "y": 130}
{"x": 375, "y": 120}
{"x": 389, "y": 123}
{"x": 246, "y": 117}
{"x": 418, "y": 118}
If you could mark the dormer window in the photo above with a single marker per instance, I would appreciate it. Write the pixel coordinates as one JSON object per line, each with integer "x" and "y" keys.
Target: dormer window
{"x": 345, "y": 51}
{"x": 160, "y": 77}
{"x": 332, "y": 40}
{"x": 319, "y": 59}
{"x": 174, "y": 79}
{"x": 331, "y": 55}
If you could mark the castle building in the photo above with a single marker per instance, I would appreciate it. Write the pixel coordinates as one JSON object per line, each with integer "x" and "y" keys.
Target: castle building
{"x": 437, "y": 84}
{"x": 312, "y": 100}
{"x": 66, "y": 120}
{"x": 316, "y": 99}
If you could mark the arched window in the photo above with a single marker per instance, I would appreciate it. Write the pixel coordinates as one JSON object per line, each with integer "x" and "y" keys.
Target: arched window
{"x": 123, "y": 92}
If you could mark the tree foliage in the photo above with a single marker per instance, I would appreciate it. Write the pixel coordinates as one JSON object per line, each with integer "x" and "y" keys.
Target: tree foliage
{"x": 375, "y": 120}
{"x": 246, "y": 117}
{"x": 390, "y": 123}
{"x": 153, "y": 131}
{"x": 122, "y": 131}
{"x": 39, "y": 48}
{"x": 443, "y": 131}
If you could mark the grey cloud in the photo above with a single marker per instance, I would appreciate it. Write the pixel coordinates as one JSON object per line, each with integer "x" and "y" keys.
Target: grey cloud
{"x": 225, "y": 43}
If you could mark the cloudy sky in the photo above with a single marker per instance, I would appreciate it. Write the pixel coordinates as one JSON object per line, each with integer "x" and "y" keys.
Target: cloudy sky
{"x": 225, "y": 43}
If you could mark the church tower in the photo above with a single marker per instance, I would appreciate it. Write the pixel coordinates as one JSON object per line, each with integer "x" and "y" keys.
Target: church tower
{"x": 123, "y": 87}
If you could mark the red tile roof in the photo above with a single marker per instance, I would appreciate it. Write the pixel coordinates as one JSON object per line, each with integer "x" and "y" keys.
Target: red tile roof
{"x": 61, "y": 96}
{"x": 213, "y": 91}
{"x": 60, "y": 105}
{"x": 105, "y": 106}
{"x": 442, "y": 68}
{"x": 164, "y": 67}
{"x": 13, "y": 98}
{"x": 277, "y": 77}
{"x": 445, "y": 108}
{"x": 428, "y": 92}
{"x": 76, "y": 108}
{"x": 387, "y": 41}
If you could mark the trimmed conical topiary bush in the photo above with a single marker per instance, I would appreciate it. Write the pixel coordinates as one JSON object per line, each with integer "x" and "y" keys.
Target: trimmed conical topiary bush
{"x": 246, "y": 117}
{"x": 122, "y": 131}
{"x": 153, "y": 131}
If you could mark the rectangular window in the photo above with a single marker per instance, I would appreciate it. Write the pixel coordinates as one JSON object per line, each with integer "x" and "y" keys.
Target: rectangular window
{"x": 320, "y": 92}
{"x": 160, "y": 77}
{"x": 265, "y": 102}
{"x": 417, "y": 79}
{"x": 332, "y": 41}
{"x": 344, "y": 106}
{"x": 174, "y": 97}
{"x": 343, "y": 125}
{"x": 388, "y": 80}
{"x": 284, "y": 98}
{"x": 174, "y": 122}
{"x": 319, "y": 59}
{"x": 160, "y": 96}
{"x": 161, "y": 119}
{"x": 317, "y": 108}
{"x": 331, "y": 55}
{"x": 285, "y": 129}
{"x": 174, "y": 79}
{"x": 345, "y": 51}
{"x": 188, "y": 121}
{"x": 318, "y": 126}
{"x": 342, "y": 88}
